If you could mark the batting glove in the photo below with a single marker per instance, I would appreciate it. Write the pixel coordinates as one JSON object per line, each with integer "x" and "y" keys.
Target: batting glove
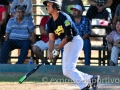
{"x": 55, "y": 52}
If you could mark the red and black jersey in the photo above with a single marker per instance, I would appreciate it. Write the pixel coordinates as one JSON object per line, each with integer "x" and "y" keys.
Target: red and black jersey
{"x": 62, "y": 26}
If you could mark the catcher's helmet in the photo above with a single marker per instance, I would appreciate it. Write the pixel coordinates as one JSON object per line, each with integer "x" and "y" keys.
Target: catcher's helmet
{"x": 56, "y": 5}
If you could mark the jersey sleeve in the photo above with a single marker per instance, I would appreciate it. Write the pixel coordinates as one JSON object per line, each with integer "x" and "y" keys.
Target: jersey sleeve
{"x": 67, "y": 26}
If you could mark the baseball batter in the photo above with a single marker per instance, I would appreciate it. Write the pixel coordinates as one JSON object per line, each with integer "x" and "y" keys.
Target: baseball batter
{"x": 62, "y": 25}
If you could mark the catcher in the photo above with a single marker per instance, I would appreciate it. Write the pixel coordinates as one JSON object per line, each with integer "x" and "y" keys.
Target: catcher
{"x": 61, "y": 24}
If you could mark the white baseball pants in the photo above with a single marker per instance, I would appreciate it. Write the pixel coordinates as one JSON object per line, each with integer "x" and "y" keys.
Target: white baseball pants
{"x": 70, "y": 56}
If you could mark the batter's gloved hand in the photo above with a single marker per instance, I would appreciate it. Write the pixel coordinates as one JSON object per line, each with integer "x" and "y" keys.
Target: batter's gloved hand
{"x": 55, "y": 52}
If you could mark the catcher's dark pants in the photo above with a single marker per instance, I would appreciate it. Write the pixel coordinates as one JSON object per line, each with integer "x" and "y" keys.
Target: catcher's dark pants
{"x": 92, "y": 13}
{"x": 10, "y": 45}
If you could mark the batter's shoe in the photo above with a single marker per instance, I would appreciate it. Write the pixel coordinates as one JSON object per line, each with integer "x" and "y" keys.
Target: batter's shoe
{"x": 86, "y": 88}
{"x": 94, "y": 82}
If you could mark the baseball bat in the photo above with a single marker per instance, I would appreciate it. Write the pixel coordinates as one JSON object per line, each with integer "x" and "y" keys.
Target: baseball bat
{"x": 31, "y": 72}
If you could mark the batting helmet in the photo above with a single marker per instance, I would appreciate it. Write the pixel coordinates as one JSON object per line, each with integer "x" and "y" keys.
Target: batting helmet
{"x": 56, "y": 5}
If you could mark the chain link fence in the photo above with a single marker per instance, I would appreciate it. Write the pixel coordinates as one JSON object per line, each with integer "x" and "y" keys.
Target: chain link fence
{"x": 98, "y": 54}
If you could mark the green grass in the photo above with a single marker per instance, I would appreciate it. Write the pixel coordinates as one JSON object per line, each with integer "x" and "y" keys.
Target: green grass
{"x": 35, "y": 77}
{"x": 46, "y": 78}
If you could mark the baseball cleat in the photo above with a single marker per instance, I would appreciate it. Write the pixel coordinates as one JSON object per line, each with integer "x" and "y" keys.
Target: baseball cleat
{"x": 94, "y": 82}
{"x": 86, "y": 88}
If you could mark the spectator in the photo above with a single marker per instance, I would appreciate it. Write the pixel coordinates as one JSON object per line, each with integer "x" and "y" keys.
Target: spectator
{"x": 42, "y": 45}
{"x": 68, "y": 4}
{"x": 27, "y": 3}
{"x": 98, "y": 9}
{"x": 18, "y": 32}
{"x": 6, "y": 4}
{"x": 116, "y": 16}
{"x": 113, "y": 44}
{"x": 3, "y": 19}
{"x": 114, "y": 6}
{"x": 84, "y": 27}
